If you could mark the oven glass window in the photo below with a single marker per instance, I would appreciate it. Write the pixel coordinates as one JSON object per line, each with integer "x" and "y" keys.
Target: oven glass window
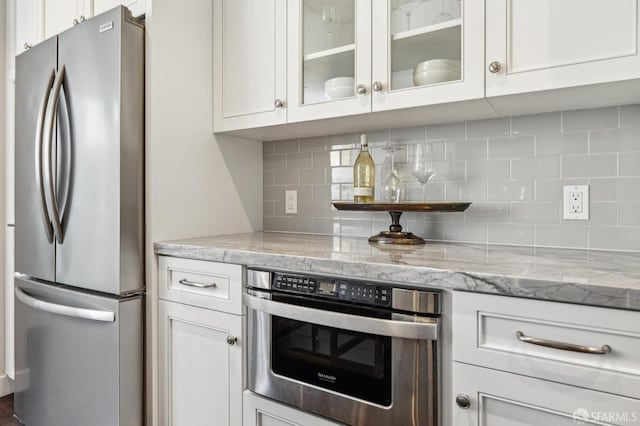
{"x": 351, "y": 363}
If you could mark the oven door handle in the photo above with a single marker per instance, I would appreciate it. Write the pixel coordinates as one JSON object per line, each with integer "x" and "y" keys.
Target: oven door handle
{"x": 420, "y": 328}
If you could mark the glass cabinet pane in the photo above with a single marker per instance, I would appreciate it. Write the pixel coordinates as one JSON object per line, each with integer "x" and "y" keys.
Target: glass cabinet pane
{"x": 328, "y": 48}
{"x": 425, "y": 43}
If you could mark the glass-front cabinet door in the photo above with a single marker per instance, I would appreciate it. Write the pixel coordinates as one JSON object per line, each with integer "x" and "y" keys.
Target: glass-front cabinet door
{"x": 426, "y": 52}
{"x": 329, "y": 57}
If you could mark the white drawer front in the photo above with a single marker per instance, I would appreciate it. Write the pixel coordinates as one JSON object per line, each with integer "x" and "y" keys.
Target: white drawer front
{"x": 506, "y": 399}
{"x": 209, "y": 285}
{"x": 485, "y": 331}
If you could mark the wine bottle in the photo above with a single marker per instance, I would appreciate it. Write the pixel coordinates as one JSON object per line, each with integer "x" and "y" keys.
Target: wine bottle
{"x": 364, "y": 174}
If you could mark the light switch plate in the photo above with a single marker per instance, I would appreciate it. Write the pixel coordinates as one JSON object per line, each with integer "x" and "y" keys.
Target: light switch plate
{"x": 575, "y": 202}
{"x": 291, "y": 202}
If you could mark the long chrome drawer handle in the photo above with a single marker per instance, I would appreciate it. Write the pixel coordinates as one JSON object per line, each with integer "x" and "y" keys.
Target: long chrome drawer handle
{"x": 69, "y": 311}
{"x": 603, "y": 350}
{"x": 185, "y": 281}
{"x": 426, "y": 329}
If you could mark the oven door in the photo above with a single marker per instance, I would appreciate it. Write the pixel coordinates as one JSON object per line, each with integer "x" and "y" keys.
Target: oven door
{"x": 345, "y": 366}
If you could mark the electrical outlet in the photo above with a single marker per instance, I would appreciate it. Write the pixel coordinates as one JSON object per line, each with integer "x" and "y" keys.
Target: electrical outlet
{"x": 575, "y": 202}
{"x": 291, "y": 202}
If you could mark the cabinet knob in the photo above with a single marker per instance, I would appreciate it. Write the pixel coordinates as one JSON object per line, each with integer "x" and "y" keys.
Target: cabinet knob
{"x": 494, "y": 67}
{"x": 278, "y": 103}
{"x": 82, "y": 18}
{"x": 231, "y": 340}
{"x": 27, "y": 46}
{"x": 361, "y": 89}
{"x": 463, "y": 401}
{"x": 75, "y": 21}
{"x": 377, "y": 86}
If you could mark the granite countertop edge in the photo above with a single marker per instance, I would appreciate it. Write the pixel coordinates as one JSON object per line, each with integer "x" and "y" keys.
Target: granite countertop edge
{"x": 593, "y": 294}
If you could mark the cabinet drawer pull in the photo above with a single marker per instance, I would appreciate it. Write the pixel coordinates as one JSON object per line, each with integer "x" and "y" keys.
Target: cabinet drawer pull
{"x": 603, "y": 350}
{"x": 185, "y": 281}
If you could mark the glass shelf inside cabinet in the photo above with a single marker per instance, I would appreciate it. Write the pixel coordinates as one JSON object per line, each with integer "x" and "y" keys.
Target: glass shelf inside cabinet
{"x": 328, "y": 67}
{"x": 426, "y": 49}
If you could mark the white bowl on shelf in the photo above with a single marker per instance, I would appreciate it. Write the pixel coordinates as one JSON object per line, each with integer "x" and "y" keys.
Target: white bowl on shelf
{"x": 339, "y": 87}
{"x": 436, "y": 71}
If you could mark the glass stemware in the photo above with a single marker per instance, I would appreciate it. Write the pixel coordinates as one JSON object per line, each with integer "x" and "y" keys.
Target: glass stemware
{"x": 422, "y": 165}
{"x": 392, "y": 189}
{"x": 331, "y": 19}
{"x": 443, "y": 16}
{"x": 408, "y": 6}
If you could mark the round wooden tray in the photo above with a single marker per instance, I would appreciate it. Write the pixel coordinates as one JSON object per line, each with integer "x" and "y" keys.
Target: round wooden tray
{"x": 395, "y": 235}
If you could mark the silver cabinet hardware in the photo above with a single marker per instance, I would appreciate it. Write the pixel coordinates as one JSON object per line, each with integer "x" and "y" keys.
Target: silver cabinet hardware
{"x": 361, "y": 89}
{"x": 77, "y": 21}
{"x": 82, "y": 18}
{"x": 185, "y": 281}
{"x": 278, "y": 103}
{"x": 494, "y": 67}
{"x": 27, "y": 46}
{"x": 603, "y": 350}
{"x": 231, "y": 340}
{"x": 463, "y": 401}
{"x": 377, "y": 86}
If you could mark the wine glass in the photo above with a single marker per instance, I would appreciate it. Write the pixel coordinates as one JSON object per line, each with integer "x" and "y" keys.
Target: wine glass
{"x": 422, "y": 165}
{"x": 392, "y": 187}
{"x": 443, "y": 16}
{"x": 331, "y": 19}
{"x": 408, "y": 6}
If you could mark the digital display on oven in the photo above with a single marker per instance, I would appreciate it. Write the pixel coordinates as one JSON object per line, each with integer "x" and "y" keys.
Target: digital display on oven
{"x": 326, "y": 287}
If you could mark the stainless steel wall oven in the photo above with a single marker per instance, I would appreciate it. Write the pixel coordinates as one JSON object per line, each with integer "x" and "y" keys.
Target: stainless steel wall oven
{"x": 354, "y": 351}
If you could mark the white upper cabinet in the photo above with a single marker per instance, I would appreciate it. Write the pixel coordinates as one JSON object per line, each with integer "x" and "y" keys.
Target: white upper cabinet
{"x": 534, "y": 45}
{"x": 329, "y": 56}
{"x": 249, "y": 63}
{"x": 28, "y": 24}
{"x": 60, "y": 15}
{"x": 137, "y": 7}
{"x": 427, "y": 52}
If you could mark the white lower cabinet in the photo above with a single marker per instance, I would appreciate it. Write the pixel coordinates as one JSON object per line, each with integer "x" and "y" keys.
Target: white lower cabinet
{"x": 201, "y": 366}
{"x": 259, "y": 411}
{"x": 497, "y": 398}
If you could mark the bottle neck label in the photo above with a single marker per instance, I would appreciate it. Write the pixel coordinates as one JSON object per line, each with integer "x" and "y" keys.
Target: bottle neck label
{"x": 363, "y": 192}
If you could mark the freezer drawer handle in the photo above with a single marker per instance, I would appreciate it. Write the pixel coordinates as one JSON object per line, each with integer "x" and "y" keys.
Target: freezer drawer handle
{"x": 185, "y": 281}
{"x": 69, "y": 311}
{"x": 603, "y": 350}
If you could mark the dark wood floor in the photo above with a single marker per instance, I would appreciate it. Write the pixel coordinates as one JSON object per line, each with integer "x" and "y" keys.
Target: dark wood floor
{"x": 6, "y": 412}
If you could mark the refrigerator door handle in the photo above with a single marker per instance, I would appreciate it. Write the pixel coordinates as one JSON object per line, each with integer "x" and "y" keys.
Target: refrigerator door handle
{"x": 69, "y": 311}
{"x": 50, "y": 121}
{"x": 48, "y": 229}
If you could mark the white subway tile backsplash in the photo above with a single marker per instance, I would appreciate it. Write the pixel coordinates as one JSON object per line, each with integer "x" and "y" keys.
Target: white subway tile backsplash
{"x": 511, "y": 147}
{"x": 446, "y": 131}
{"x": 466, "y": 150}
{"x": 493, "y": 127}
{"x": 528, "y": 168}
{"x": 488, "y": 169}
{"x": 615, "y": 140}
{"x": 629, "y": 214}
{"x": 510, "y": 190}
{"x": 586, "y": 119}
{"x": 536, "y": 124}
{"x": 629, "y": 163}
{"x": 511, "y": 169}
{"x": 556, "y": 144}
{"x": 570, "y": 236}
{"x": 589, "y": 165}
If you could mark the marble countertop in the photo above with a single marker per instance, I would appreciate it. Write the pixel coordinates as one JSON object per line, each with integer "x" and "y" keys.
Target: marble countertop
{"x": 597, "y": 278}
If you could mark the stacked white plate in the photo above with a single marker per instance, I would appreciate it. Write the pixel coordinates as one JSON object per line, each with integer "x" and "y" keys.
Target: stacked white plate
{"x": 339, "y": 87}
{"x": 436, "y": 71}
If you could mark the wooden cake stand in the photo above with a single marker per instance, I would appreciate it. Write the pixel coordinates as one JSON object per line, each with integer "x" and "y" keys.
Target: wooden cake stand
{"x": 395, "y": 235}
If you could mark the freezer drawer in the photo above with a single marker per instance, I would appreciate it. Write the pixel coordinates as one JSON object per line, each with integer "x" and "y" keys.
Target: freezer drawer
{"x": 79, "y": 358}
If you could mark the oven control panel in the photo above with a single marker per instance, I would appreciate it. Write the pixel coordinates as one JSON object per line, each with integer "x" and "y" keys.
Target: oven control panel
{"x": 355, "y": 291}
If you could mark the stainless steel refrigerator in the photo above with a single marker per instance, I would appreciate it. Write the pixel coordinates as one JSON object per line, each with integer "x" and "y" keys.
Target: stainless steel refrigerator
{"x": 79, "y": 229}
